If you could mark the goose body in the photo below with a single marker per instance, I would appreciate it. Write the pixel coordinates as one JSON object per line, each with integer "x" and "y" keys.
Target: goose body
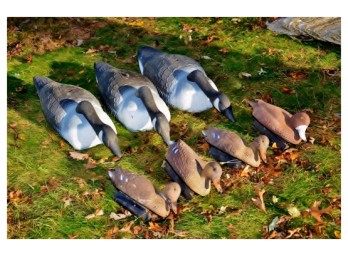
{"x": 182, "y": 82}
{"x": 289, "y": 127}
{"x": 133, "y": 99}
{"x": 76, "y": 115}
{"x": 232, "y": 144}
{"x": 143, "y": 192}
{"x": 193, "y": 171}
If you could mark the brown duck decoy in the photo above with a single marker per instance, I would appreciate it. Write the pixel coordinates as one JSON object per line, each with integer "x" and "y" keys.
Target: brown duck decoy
{"x": 193, "y": 174}
{"x": 279, "y": 125}
{"x": 141, "y": 197}
{"x": 234, "y": 146}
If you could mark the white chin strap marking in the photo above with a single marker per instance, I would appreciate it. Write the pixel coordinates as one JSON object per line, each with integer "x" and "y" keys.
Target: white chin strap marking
{"x": 302, "y": 132}
{"x": 216, "y": 104}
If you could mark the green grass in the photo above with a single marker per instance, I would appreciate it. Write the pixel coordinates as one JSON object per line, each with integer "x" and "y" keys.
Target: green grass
{"x": 37, "y": 157}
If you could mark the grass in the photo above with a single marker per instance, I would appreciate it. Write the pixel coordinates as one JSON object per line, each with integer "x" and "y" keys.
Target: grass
{"x": 41, "y": 176}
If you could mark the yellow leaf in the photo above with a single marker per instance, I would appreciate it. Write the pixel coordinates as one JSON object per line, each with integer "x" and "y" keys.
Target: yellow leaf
{"x": 337, "y": 234}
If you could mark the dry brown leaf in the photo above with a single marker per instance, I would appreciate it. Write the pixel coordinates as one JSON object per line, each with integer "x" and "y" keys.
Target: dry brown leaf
{"x": 287, "y": 90}
{"x": 111, "y": 232}
{"x": 136, "y": 230}
{"x": 91, "y": 164}
{"x": 316, "y": 213}
{"x": 297, "y": 75}
{"x": 67, "y": 200}
{"x": 311, "y": 140}
{"x": 208, "y": 41}
{"x": 155, "y": 227}
{"x": 72, "y": 236}
{"x": 78, "y": 156}
{"x": 81, "y": 182}
{"x": 259, "y": 201}
{"x": 119, "y": 216}
{"x": 91, "y": 50}
{"x": 245, "y": 172}
{"x": 337, "y": 234}
{"x": 17, "y": 196}
{"x": 127, "y": 227}
{"x": 171, "y": 226}
{"x": 223, "y": 51}
{"x": 293, "y": 232}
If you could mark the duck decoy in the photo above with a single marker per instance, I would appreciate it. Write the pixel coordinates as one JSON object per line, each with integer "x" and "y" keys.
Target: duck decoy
{"x": 230, "y": 147}
{"x": 182, "y": 82}
{"x": 139, "y": 195}
{"x": 133, "y": 99}
{"x": 76, "y": 115}
{"x": 193, "y": 174}
{"x": 278, "y": 124}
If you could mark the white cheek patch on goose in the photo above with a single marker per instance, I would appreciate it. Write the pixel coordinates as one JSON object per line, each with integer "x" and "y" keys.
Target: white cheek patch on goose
{"x": 100, "y": 135}
{"x": 96, "y": 78}
{"x": 154, "y": 123}
{"x": 141, "y": 67}
{"x": 175, "y": 149}
{"x": 216, "y": 104}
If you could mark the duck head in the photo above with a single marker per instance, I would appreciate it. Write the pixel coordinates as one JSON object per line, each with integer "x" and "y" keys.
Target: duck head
{"x": 171, "y": 194}
{"x": 261, "y": 144}
{"x": 300, "y": 121}
{"x": 212, "y": 171}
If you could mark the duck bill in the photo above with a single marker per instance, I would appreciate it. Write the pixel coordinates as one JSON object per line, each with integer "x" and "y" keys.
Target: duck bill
{"x": 217, "y": 185}
{"x": 302, "y": 132}
{"x": 263, "y": 155}
{"x": 174, "y": 207}
{"x": 229, "y": 114}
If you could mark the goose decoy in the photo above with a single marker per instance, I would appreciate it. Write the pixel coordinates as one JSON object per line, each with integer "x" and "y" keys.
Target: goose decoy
{"x": 182, "y": 82}
{"x": 229, "y": 147}
{"x": 139, "y": 195}
{"x": 193, "y": 174}
{"x": 133, "y": 99}
{"x": 76, "y": 115}
{"x": 279, "y": 125}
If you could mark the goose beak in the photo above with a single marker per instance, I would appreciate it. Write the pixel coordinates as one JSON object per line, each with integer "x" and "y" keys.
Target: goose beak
{"x": 302, "y": 132}
{"x": 217, "y": 185}
{"x": 229, "y": 114}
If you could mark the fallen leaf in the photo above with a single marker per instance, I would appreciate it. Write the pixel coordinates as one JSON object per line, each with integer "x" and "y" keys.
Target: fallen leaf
{"x": 244, "y": 75}
{"x": 71, "y": 72}
{"x": 293, "y": 232}
{"x": 98, "y": 212}
{"x": 127, "y": 227}
{"x": 119, "y": 216}
{"x": 208, "y": 41}
{"x": 316, "y": 213}
{"x": 91, "y": 164}
{"x": 297, "y": 75}
{"x": 29, "y": 58}
{"x": 287, "y": 90}
{"x": 91, "y": 50}
{"x": 230, "y": 226}
{"x": 275, "y": 199}
{"x": 61, "y": 143}
{"x": 17, "y": 196}
{"x": 223, "y": 51}
{"x": 311, "y": 140}
{"x": 72, "y": 236}
{"x": 78, "y": 156}
{"x": 293, "y": 211}
{"x": 272, "y": 225}
{"x": 155, "y": 227}
{"x": 206, "y": 57}
{"x": 111, "y": 232}
{"x": 337, "y": 234}
{"x": 136, "y": 230}
{"x": 81, "y": 182}
{"x": 13, "y": 124}
{"x": 259, "y": 201}
{"x": 245, "y": 171}
{"x": 67, "y": 200}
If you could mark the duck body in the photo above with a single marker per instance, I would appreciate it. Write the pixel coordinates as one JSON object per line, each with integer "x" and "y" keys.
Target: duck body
{"x": 182, "y": 82}
{"x": 144, "y": 194}
{"x": 191, "y": 169}
{"x": 288, "y": 127}
{"x": 75, "y": 114}
{"x": 233, "y": 145}
{"x": 133, "y": 99}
